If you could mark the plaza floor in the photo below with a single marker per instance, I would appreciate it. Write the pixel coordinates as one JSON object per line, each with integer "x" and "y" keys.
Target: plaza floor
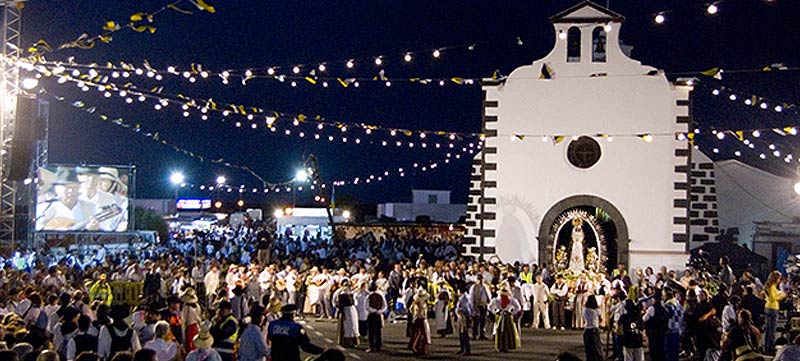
{"x": 536, "y": 344}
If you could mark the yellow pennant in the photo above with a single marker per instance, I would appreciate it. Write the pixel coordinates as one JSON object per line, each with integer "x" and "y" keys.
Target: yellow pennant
{"x": 176, "y": 8}
{"x": 110, "y": 26}
{"x": 311, "y": 80}
{"x": 739, "y": 135}
{"x": 202, "y": 5}
{"x": 558, "y": 139}
{"x": 343, "y": 82}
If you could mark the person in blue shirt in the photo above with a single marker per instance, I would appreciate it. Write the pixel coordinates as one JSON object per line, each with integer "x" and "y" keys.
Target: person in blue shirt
{"x": 287, "y": 337}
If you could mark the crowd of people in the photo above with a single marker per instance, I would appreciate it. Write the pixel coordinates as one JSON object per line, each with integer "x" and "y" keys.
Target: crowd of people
{"x": 233, "y": 293}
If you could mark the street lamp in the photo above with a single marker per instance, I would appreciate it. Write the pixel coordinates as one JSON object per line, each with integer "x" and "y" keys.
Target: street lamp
{"x": 301, "y": 175}
{"x": 221, "y": 179}
{"x": 176, "y": 178}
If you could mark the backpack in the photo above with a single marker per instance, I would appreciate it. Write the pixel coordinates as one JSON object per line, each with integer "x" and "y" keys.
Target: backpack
{"x": 120, "y": 343}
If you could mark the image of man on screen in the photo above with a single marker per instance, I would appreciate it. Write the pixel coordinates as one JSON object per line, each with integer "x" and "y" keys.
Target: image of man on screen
{"x": 66, "y": 211}
{"x": 93, "y": 191}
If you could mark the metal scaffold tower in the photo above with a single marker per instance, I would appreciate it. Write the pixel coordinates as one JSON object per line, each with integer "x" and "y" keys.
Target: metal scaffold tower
{"x": 9, "y": 77}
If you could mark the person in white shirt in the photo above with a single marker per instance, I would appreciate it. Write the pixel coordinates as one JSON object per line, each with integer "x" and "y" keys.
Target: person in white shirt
{"x": 729, "y": 313}
{"x": 165, "y": 350}
{"x": 481, "y": 296}
{"x": 541, "y": 297}
{"x": 211, "y": 280}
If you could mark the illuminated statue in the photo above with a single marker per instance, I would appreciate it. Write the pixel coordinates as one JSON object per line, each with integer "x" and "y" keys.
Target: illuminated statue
{"x": 576, "y": 261}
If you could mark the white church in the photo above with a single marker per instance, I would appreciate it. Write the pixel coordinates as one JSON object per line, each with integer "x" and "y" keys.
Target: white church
{"x": 583, "y": 138}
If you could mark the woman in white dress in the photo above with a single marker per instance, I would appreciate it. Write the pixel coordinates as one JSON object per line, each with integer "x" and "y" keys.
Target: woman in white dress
{"x": 348, "y": 316}
{"x": 444, "y": 325}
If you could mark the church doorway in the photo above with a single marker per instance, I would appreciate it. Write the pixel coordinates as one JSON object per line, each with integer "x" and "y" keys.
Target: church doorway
{"x": 583, "y": 233}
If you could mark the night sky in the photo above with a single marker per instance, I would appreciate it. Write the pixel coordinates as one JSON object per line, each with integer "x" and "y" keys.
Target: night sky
{"x": 745, "y": 34}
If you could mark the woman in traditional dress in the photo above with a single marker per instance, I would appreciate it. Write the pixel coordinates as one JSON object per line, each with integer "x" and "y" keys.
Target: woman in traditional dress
{"x": 582, "y": 291}
{"x": 420, "y": 329}
{"x": 312, "y": 292}
{"x": 348, "y": 317}
{"x": 505, "y": 308}
{"x": 444, "y": 323}
{"x": 190, "y": 315}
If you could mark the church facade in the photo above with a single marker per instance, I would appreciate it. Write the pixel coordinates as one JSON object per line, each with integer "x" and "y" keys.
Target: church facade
{"x": 585, "y": 137}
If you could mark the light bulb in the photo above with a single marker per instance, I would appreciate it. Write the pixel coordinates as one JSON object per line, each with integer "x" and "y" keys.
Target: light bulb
{"x": 350, "y": 64}
{"x": 712, "y": 9}
{"x": 660, "y": 19}
{"x": 378, "y": 61}
{"x": 407, "y": 57}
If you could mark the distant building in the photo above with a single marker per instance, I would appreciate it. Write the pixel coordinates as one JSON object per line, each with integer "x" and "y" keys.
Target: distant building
{"x": 425, "y": 203}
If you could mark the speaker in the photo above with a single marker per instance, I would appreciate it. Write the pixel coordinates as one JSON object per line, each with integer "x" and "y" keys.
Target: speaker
{"x": 31, "y": 123}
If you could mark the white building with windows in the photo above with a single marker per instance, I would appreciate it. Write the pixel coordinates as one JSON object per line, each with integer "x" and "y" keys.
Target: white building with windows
{"x": 585, "y": 137}
{"x": 434, "y": 204}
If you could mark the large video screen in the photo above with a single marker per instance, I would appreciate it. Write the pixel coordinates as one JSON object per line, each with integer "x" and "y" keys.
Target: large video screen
{"x": 82, "y": 198}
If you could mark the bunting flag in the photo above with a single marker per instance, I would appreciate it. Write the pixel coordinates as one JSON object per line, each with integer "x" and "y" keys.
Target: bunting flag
{"x": 715, "y": 73}
{"x": 139, "y": 22}
{"x": 558, "y": 139}
{"x": 547, "y": 72}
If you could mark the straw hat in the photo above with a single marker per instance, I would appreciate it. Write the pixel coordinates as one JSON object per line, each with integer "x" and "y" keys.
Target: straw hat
{"x": 421, "y": 296}
{"x": 190, "y": 296}
{"x": 203, "y": 339}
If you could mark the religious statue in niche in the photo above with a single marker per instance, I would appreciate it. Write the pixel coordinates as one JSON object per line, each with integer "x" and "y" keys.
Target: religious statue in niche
{"x": 576, "y": 258}
{"x": 578, "y": 244}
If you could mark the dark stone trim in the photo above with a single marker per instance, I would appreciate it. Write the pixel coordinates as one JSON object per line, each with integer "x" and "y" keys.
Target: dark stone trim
{"x": 490, "y": 104}
{"x": 490, "y": 150}
{"x": 710, "y": 198}
{"x": 489, "y": 184}
{"x": 682, "y": 102}
{"x": 681, "y": 186}
{"x": 482, "y": 250}
{"x": 490, "y": 166}
{"x": 472, "y": 208}
{"x": 681, "y": 152}
{"x": 489, "y": 118}
{"x": 490, "y": 132}
{"x": 486, "y": 216}
{"x": 475, "y": 177}
{"x": 679, "y": 220}
{"x": 707, "y": 182}
{"x": 710, "y": 214}
{"x": 682, "y": 119}
{"x": 680, "y": 203}
{"x": 488, "y": 201}
{"x": 707, "y": 165}
{"x": 469, "y": 240}
{"x": 471, "y": 223}
{"x": 679, "y": 237}
{"x": 476, "y": 161}
{"x": 712, "y": 230}
{"x": 681, "y": 169}
{"x": 700, "y": 238}
{"x": 474, "y": 192}
{"x": 699, "y": 206}
{"x": 488, "y": 233}
{"x": 699, "y": 222}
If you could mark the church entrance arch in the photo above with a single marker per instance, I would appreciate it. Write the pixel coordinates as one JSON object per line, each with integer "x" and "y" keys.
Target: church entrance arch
{"x": 596, "y": 224}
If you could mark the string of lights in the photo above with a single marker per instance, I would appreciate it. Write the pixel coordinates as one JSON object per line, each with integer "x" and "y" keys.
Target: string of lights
{"x": 254, "y": 117}
{"x": 712, "y": 8}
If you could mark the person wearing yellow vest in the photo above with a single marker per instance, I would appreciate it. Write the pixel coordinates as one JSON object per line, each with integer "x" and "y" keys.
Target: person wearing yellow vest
{"x": 225, "y": 331}
{"x": 772, "y": 298}
{"x": 526, "y": 276}
{"x": 101, "y": 291}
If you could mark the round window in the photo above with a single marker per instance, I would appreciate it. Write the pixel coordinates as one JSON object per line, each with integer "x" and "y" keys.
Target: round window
{"x": 583, "y": 152}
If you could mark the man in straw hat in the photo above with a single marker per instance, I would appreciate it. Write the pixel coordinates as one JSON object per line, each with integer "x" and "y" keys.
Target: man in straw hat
{"x": 287, "y": 337}
{"x": 203, "y": 351}
{"x": 67, "y": 210}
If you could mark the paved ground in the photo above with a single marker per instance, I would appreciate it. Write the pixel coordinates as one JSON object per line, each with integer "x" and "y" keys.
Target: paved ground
{"x": 536, "y": 344}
